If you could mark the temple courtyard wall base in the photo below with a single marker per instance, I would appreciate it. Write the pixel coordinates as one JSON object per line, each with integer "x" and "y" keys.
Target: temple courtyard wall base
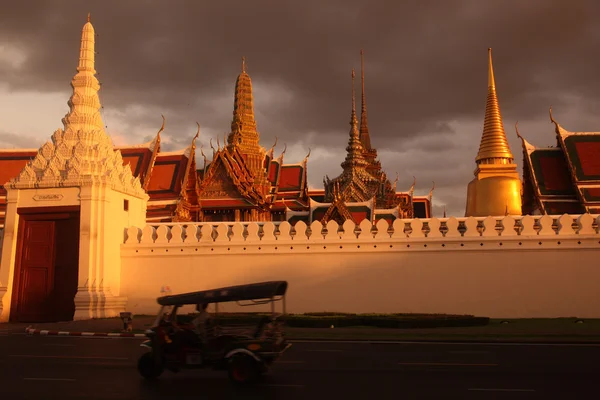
{"x": 530, "y": 267}
{"x": 97, "y": 304}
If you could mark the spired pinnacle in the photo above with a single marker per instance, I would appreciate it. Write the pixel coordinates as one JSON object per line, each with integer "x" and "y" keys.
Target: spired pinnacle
{"x": 243, "y": 125}
{"x": 365, "y": 137}
{"x": 494, "y": 147}
{"x": 84, "y": 104}
{"x": 355, "y": 149}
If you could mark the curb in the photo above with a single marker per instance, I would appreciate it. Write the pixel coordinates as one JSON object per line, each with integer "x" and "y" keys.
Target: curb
{"x": 42, "y": 332}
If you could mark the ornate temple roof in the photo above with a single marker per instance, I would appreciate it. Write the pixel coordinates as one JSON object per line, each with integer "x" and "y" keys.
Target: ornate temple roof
{"x": 494, "y": 147}
{"x": 355, "y": 183}
{"x": 548, "y": 185}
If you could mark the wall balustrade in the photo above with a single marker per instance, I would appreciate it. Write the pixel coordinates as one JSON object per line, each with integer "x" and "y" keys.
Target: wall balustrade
{"x": 506, "y": 230}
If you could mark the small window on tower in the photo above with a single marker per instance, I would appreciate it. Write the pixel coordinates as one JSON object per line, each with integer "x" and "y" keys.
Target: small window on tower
{"x": 126, "y": 205}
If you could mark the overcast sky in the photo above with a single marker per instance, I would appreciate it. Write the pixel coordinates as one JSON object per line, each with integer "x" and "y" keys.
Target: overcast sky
{"x": 425, "y": 62}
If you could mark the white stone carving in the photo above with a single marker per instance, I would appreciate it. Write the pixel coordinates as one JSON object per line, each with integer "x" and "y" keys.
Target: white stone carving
{"x": 237, "y": 232}
{"x": 434, "y": 228}
{"x": 252, "y": 231}
{"x": 585, "y": 225}
{"x": 489, "y": 227}
{"x": 268, "y": 232}
{"x": 546, "y": 222}
{"x": 565, "y": 225}
{"x": 222, "y": 231}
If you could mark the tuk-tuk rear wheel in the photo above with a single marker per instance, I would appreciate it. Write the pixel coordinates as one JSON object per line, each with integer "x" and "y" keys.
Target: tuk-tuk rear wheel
{"x": 244, "y": 370}
{"x": 147, "y": 367}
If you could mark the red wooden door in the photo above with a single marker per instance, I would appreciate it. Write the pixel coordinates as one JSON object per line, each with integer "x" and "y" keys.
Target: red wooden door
{"x": 66, "y": 267}
{"x": 36, "y": 273}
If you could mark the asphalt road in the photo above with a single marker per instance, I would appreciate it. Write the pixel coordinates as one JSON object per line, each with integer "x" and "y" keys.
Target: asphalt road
{"x": 34, "y": 367}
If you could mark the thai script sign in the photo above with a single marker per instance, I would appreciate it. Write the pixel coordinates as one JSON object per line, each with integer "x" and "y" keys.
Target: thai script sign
{"x": 48, "y": 197}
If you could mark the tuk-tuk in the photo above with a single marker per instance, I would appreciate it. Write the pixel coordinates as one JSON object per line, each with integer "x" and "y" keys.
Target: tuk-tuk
{"x": 175, "y": 345}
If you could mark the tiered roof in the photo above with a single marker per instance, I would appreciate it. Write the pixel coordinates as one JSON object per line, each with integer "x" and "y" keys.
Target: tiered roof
{"x": 565, "y": 178}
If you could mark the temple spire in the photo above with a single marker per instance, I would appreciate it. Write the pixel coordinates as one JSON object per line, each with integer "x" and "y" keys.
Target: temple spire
{"x": 353, "y": 121}
{"x": 365, "y": 137}
{"x": 496, "y": 188}
{"x": 84, "y": 104}
{"x": 243, "y": 125}
{"x": 355, "y": 149}
{"x": 494, "y": 147}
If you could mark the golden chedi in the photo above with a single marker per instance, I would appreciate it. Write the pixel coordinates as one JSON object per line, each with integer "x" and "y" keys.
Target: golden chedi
{"x": 496, "y": 188}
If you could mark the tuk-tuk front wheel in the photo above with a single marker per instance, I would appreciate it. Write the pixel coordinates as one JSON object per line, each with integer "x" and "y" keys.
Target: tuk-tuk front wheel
{"x": 244, "y": 370}
{"x": 147, "y": 367}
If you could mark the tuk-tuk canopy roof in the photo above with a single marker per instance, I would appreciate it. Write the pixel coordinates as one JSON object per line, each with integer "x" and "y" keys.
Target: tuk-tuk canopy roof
{"x": 254, "y": 291}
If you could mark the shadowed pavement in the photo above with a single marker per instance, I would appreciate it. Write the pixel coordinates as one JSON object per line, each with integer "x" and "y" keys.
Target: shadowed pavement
{"x": 87, "y": 368}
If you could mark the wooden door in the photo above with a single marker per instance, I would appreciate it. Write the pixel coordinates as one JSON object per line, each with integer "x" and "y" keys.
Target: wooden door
{"x": 47, "y": 265}
{"x": 66, "y": 267}
{"x": 35, "y": 281}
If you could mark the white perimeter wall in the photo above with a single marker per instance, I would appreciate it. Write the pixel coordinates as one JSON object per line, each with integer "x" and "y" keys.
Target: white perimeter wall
{"x": 495, "y": 267}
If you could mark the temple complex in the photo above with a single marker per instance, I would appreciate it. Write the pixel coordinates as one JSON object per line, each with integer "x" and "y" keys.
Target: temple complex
{"x": 564, "y": 178}
{"x": 245, "y": 182}
{"x": 496, "y": 188}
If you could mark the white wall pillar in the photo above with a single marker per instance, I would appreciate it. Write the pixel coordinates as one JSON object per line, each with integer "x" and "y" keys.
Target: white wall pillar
{"x": 8, "y": 256}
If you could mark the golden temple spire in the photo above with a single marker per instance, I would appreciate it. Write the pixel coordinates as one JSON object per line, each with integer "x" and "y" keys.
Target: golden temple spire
{"x": 353, "y": 121}
{"x": 496, "y": 188}
{"x": 355, "y": 149}
{"x": 494, "y": 148}
{"x": 365, "y": 137}
{"x": 84, "y": 104}
{"x": 243, "y": 125}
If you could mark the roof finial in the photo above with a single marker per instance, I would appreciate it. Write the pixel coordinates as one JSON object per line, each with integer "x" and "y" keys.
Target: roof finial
{"x": 353, "y": 116}
{"x": 243, "y": 64}
{"x": 365, "y": 138}
{"x": 88, "y": 19}
{"x": 517, "y": 129}
{"x": 551, "y": 117}
{"x": 491, "y": 80}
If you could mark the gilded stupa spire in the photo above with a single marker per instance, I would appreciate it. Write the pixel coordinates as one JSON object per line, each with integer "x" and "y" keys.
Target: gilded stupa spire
{"x": 84, "y": 104}
{"x": 496, "y": 188}
{"x": 355, "y": 149}
{"x": 243, "y": 125}
{"x": 494, "y": 147}
{"x": 365, "y": 137}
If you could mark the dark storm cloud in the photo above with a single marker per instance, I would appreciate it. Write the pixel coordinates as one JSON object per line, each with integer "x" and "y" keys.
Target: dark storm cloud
{"x": 425, "y": 60}
{"x": 426, "y": 69}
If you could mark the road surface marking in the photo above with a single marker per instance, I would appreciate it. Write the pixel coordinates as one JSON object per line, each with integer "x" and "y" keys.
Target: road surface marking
{"x": 50, "y": 379}
{"x": 501, "y": 390}
{"x": 468, "y": 352}
{"x": 281, "y": 385}
{"x": 447, "y": 343}
{"x": 68, "y": 357}
{"x": 449, "y": 364}
{"x": 325, "y": 351}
